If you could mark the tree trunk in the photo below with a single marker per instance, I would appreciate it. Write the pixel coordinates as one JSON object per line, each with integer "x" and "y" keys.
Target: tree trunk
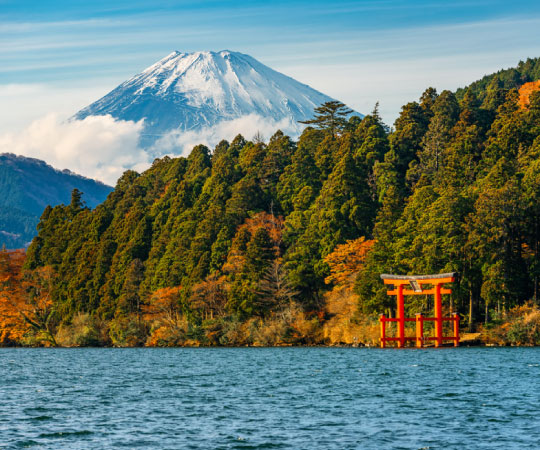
{"x": 471, "y": 310}
{"x": 536, "y": 289}
{"x": 536, "y": 261}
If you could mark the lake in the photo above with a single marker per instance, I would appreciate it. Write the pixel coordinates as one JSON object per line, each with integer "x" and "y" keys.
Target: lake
{"x": 255, "y": 398}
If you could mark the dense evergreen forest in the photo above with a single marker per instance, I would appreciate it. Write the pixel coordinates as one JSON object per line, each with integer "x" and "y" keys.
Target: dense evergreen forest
{"x": 208, "y": 248}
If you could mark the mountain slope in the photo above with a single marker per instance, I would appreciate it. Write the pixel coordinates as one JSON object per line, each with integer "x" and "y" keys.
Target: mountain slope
{"x": 27, "y": 186}
{"x": 190, "y": 91}
{"x": 512, "y": 78}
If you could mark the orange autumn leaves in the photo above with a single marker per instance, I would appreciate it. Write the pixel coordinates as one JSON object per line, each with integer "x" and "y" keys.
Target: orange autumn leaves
{"x": 526, "y": 91}
{"x": 25, "y": 302}
{"x": 272, "y": 224}
{"x": 27, "y": 312}
{"x": 347, "y": 260}
{"x": 12, "y": 325}
{"x": 163, "y": 312}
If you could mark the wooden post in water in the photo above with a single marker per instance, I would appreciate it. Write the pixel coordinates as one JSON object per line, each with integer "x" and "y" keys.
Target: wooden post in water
{"x": 383, "y": 330}
{"x": 456, "y": 329}
{"x": 438, "y": 316}
{"x": 419, "y": 330}
{"x": 401, "y": 316}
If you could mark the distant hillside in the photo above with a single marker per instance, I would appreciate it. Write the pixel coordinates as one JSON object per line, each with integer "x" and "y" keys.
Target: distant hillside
{"x": 27, "y": 186}
{"x": 513, "y": 78}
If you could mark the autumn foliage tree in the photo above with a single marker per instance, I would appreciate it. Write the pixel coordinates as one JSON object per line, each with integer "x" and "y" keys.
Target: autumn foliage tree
{"x": 12, "y": 324}
{"x": 37, "y": 307}
{"x": 210, "y": 296}
{"x": 347, "y": 260}
{"x": 26, "y": 304}
{"x": 163, "y": 305}
{"x": 164, "y": 313}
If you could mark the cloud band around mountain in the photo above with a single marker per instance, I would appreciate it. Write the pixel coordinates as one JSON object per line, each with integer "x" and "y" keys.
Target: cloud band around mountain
{"x": 102, "y": 148}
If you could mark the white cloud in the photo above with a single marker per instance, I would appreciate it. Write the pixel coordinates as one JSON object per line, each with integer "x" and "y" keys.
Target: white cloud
{"x": 181, "y": 143}
{"x": 102, "y": 147}
{"x": 98, "y": 147}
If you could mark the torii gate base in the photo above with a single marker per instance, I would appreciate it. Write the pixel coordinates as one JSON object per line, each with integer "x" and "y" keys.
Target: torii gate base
{"x": 416, "y": 282}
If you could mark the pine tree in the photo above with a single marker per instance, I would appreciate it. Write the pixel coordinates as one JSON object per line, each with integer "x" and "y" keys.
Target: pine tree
{"x": 330, "y": 116}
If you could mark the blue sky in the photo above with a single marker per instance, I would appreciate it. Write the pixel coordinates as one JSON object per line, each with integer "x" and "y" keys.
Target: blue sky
{"x": 357, "y": 51}
{"x": 58, "y": 56}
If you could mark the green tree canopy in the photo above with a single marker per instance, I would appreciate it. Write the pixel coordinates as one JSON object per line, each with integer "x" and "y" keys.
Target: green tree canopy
{"x": 330, "y": 116}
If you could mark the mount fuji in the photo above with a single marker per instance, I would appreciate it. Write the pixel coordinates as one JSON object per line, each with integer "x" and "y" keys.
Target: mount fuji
{"x": 192, "y": 92}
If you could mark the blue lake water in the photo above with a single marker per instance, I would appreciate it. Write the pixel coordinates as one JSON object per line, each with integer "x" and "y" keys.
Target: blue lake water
{"x": 254, "y": 398}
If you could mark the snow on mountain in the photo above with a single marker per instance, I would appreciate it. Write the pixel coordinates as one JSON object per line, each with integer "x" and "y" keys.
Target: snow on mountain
{"x": 189, "y": 92}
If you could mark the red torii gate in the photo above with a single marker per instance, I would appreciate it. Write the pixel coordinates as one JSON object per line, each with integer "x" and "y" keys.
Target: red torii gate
{"x": 416, "y": 283}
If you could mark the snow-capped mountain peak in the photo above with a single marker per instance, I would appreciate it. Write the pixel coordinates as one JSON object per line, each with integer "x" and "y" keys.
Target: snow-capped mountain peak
{"x": 191, "y": 91}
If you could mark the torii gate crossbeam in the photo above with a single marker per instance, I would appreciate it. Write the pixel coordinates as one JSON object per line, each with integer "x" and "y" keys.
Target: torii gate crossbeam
{"x": 416, "y": 283}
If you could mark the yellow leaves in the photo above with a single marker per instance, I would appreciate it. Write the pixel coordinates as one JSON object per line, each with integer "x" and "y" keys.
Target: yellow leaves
{"x": 347, "y": 260}
{"x": 521, "y": 326}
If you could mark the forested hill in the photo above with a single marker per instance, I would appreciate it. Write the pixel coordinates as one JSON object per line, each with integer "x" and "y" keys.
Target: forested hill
{"x": 27, "y": 186}
{"x": 246, "y": 229}
{"x": 489, "y": 87}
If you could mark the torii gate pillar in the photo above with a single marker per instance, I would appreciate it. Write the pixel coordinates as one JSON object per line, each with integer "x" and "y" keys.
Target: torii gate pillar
{"x": 416, "y": 282}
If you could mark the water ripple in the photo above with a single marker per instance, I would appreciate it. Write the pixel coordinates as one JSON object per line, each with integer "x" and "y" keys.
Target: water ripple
{"x": 286, "y": 398}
